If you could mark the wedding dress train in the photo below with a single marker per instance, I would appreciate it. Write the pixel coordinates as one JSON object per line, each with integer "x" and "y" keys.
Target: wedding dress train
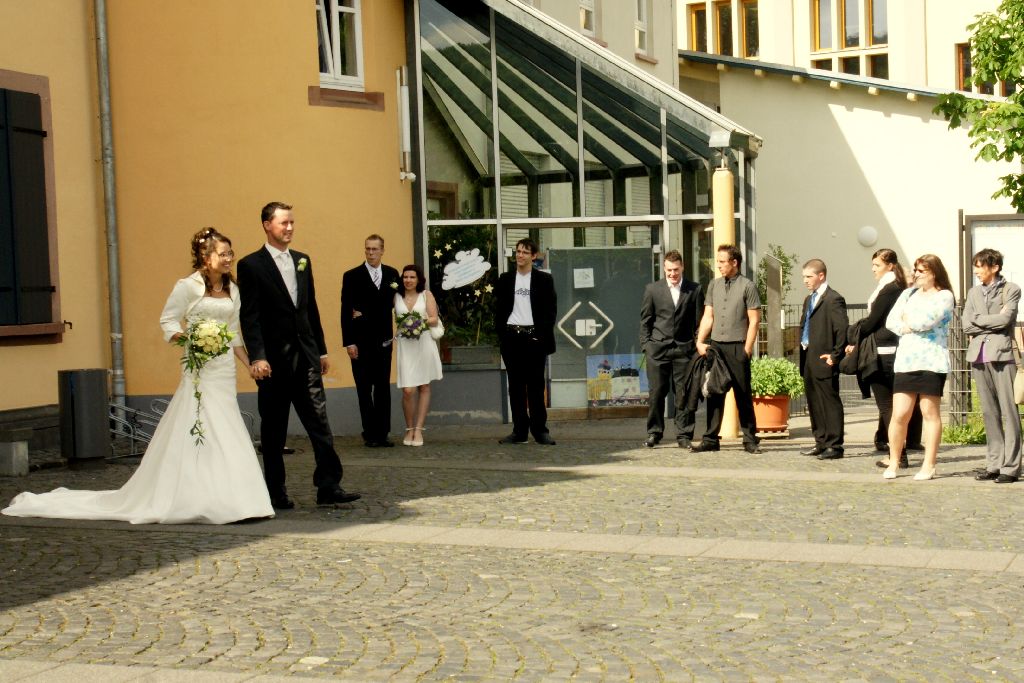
{"x": 177, "y": 482}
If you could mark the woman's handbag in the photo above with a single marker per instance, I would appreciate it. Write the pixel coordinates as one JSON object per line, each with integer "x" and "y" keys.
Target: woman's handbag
{"x": 437, "y": 331}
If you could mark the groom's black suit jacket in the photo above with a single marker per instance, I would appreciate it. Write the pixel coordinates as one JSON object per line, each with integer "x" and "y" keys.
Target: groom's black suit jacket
{"x": 273, "y": 328}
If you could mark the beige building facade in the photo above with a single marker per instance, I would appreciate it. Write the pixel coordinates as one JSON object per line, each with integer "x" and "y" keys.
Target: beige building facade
{"x": 842, "y": 93}
{"x": 53, "y": 311}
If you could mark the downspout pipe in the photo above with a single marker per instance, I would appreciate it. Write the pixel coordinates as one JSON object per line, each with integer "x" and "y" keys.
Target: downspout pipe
{"x": 117, "y": 388}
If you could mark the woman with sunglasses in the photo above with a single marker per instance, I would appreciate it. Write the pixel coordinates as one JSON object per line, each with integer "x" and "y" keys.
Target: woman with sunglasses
{"x": 920, "y": 318}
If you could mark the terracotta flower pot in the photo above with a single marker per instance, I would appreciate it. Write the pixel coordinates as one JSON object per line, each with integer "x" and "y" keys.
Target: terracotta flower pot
{"x": 771, "y": 413}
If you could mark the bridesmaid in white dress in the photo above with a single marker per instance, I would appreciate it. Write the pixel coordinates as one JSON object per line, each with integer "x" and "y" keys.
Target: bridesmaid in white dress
{"x": 419, "y": 362}
{"x": 178, "y": 481}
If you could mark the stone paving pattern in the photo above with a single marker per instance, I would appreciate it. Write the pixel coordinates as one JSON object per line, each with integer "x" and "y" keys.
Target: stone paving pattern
{"x": 293, "y": 598}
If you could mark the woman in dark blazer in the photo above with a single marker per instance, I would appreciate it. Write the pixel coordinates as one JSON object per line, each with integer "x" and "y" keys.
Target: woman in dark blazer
{"x": 892, "y": 280}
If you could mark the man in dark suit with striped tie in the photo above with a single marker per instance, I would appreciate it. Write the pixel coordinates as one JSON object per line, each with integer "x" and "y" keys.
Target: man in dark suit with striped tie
{"x": 367, "y": 330}
{"x": 669, "y": 318}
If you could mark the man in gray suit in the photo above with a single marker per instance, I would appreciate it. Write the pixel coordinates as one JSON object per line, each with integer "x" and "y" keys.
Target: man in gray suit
{"x": 990, "y": 316}
{"x": 669, "y": 316}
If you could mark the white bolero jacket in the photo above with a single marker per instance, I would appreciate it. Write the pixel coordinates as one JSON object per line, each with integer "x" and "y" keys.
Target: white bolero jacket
{"x": 186, "y": 294}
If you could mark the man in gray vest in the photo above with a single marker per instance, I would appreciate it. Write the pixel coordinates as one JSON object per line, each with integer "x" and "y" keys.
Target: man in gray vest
{"x": 732, "y": 314}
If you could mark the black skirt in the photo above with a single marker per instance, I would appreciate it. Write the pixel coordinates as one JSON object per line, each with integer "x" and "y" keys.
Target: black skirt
{"x": 921, "y": 382}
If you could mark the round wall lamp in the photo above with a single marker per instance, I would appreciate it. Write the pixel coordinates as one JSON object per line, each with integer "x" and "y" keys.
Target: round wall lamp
{"x": 867, "y": 236}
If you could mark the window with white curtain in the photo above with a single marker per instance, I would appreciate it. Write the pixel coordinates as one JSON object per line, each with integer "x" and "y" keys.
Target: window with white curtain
{"x": 339, "y": 33}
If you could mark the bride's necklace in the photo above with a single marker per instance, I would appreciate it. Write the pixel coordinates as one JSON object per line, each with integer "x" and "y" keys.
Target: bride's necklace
{"x": 409, "y": 303}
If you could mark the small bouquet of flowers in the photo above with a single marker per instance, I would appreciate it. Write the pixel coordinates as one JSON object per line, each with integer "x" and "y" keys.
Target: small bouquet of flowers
{"x": 411, "y": 325}
{"x": 203, "y": 341}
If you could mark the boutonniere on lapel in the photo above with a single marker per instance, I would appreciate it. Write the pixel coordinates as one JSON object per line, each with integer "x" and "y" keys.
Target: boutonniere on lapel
{"x": 394, "y": 285}
{"x": 303, "y": 262}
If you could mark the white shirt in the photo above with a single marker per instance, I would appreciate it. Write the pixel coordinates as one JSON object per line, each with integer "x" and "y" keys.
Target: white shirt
{"x": 522, "y": 311}
{"x": 674, "y": 291}
{"x": 285, "y": 264}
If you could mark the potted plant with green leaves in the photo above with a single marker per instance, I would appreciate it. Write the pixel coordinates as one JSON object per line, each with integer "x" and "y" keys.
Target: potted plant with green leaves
{"x": 773, "y": 382}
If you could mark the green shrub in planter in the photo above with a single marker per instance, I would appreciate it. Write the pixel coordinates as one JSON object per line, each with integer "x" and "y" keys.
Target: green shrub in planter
{"x": 775, "y": 377}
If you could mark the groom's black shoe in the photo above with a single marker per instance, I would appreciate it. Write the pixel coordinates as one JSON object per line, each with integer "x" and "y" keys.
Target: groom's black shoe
{"x": 282, "y": 503}
{"x": 330, "y": 495}
{"x": 386, "y": 443}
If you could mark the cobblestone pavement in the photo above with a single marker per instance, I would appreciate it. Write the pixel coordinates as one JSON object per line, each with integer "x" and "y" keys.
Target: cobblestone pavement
{"x": 595, "y": 560}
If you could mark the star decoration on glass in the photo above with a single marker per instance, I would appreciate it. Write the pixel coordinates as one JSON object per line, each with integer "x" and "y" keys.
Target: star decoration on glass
{"x": 437, "y": 253}
{"x": 489, "y": 289}
{"x": 476, "y": 292}
{"x": 448, "y": 247}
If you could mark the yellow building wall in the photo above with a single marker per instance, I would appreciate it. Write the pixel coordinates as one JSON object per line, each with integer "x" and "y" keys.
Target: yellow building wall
{"x": 212, "y": 120}
{"x": 32, "y": 42}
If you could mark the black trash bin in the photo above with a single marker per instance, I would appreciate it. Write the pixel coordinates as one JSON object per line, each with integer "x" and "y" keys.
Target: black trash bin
{"x": 84, "y": 413}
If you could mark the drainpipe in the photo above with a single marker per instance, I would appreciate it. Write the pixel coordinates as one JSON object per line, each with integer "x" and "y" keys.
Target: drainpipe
{"x": 110, "y": 205}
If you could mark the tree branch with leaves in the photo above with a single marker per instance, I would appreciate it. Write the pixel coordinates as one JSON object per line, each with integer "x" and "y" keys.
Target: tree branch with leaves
{"x": 996, "y": 127}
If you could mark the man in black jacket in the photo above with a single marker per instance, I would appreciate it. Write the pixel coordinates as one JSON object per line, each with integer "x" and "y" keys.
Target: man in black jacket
{"x": 281, "y": 328}
{"x": 669, "y": 315}
{"x": 525, "y": 322}
{"x": 367, "y": 329}
{"x": 822, "y": 346}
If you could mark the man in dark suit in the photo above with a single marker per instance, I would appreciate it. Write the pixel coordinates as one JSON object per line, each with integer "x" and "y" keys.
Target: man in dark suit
{"x": 281, "y": 328}
{"x": 669, "y": 317}
{"x": 367, "y": 330}
{"x": 525, "y": 321}
{"x": 822, "y": 346}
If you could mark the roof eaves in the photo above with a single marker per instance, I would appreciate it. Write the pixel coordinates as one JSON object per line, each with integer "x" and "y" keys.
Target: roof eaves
{"x": 622, "y": 72}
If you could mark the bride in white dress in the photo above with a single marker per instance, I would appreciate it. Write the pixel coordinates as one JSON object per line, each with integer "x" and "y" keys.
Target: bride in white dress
{"x": 419, "y": 362}
{"x": 177, "y": 482}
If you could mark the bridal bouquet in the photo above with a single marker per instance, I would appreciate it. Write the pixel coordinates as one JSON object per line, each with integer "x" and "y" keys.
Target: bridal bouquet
{"x": 203, "y": 341}
{"x": 411, "y": 325}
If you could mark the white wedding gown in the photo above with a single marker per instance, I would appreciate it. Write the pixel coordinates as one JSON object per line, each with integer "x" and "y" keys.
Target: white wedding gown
{"x": 177, "y": 481}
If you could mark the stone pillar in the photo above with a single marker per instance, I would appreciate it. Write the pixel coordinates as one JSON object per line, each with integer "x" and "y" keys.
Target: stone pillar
{"x": 725, "y": 233}
{"x": 14, "y": 452}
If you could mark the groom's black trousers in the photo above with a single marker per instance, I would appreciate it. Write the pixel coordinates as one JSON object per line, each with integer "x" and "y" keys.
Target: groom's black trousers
{"x": 295, "y": 384}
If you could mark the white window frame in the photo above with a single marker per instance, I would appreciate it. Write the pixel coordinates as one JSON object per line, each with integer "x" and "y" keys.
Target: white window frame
{"x": 588, "y": 9}
{"x": 640, "y": 24}
{"x": 329, "y": 15}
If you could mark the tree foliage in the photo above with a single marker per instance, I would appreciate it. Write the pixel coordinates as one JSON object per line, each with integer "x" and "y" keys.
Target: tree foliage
{"x": 996, "y": 128}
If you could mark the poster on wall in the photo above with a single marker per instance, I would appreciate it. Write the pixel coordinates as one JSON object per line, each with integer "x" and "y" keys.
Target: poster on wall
{"x": 616, "y": 379}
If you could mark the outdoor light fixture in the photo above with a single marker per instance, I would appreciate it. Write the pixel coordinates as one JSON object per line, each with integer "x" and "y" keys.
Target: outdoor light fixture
{"x": 867, "y": 236}
{"x": 404, "y": 127}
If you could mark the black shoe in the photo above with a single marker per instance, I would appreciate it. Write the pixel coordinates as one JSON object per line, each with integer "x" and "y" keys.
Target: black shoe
{"x": 817, "y": 450}
{"x": 705, "y": 447}
{"x": 282, "y": 503}
{"x": 336, "y": 494}
{"x": 652, "y": 440}
{"x": 915, "y": 446}
{"x": 881, "y": 447}
{"x": 684, "y": 442}
{"x": 386, "y": 443}
{"x": 287, "y": 450}
{"x": 752, "y": 448}
{"x": 1006, "y": 479}
{"x": 513, "y": 438}
{"x": 544, "y": 440}
{"x": 831, "y": 454}
{"x": 987, "y": 476}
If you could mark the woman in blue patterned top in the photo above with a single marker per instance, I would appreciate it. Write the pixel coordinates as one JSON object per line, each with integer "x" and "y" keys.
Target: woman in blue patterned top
{"x": 920, "y": 317}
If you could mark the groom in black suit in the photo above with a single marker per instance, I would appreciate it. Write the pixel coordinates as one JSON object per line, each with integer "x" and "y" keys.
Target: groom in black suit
{"x": 367, "y": 330}
{"x": 669, "y": 318}
{"x": 281, "y": 328}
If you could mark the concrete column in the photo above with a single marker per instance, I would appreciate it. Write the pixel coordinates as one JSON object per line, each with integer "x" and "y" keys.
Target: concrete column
{"x": 725, "y": 233}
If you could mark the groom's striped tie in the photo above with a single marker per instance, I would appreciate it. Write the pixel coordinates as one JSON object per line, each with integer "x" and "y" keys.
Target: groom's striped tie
{"x": 376, "y": 277}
